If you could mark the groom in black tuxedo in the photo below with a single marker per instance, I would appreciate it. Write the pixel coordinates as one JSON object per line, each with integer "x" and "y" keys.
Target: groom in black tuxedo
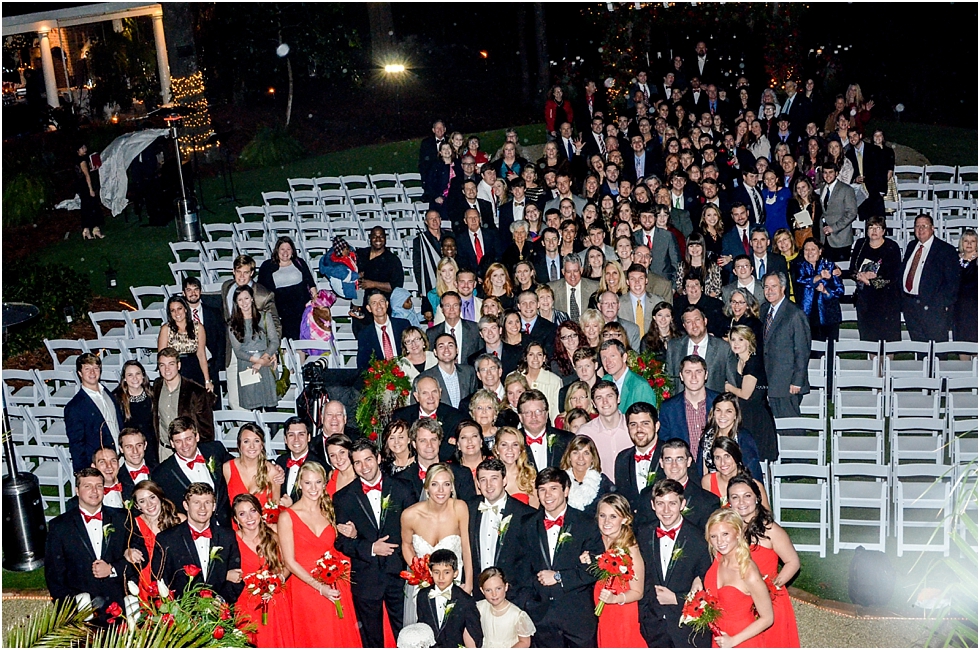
{"x": 196, "y": 551}
{"x": 553, "y": 539}
{"x": 637, "y": 465}
{"x": 496, "y": 521}
{"x": 374, "y": 504}
{"x": 427, "y": 435}
{"x": 674, "y": 554}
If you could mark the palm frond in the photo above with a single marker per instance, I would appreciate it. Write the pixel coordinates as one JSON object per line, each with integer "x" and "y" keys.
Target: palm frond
{"x": 57, "y": 625}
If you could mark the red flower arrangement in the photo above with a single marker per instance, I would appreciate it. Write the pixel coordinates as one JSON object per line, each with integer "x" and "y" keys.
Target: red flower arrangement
{"x": 615, "y": 568}
{"x": 386, "y": 388}
{"x": 266, "y": 584}
{"x": 418, "y": 572}
{"x": 647, "y": 365}
{"x": 270, "y": 513}
{"x": 701, "y": 611}
{"x": 331, "y": 571}
{"x": 191, "y": 570}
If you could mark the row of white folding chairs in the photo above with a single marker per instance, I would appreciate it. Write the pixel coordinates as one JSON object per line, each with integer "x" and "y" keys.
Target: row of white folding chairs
{"x": 908, "y": 189}
{"x": 926, "y": 397}
{"x": 350, "y": 182}
{"x": 920, "y": 493}
{"x": 936, "y": 173}
{"x": 114, "y": 351}
{"x": 52, "y": 467}
{"x": 227, "y": 422}
{"x": 221, "y": 250}
{"x": 878, "y": 358}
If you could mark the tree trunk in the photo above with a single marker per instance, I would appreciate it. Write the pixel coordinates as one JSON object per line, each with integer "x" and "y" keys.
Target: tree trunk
{"x": 178, "y": 22}
{"x": 382, "y": 28}
{"x": 522, "y": 51}
{"x": 541, "y": 38}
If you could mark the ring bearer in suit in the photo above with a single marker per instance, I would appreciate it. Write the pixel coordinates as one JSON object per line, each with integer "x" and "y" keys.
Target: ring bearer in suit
{"x": 553, "y": 540}
{"x": 636, "y": 467}
{"x": 676, "y": 558}
{"x": 133, "y": 467}
{"x": 446, "y": 608}
{"x": 374, "y": 505}
{"x": 198, "y": 549}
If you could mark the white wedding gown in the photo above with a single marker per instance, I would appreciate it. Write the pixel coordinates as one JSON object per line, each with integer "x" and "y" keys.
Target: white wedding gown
{"x": 421, "y": 547}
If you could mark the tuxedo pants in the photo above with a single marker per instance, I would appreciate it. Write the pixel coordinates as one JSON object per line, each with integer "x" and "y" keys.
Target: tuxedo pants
{"x": 370, "y": 612}
{"x": 554, "y": 632}
{"x": 924, "y": 322}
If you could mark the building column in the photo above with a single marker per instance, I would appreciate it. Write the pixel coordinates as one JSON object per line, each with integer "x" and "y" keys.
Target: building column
{"x": 47, "y": 69}
{"x": 163, "y": 63}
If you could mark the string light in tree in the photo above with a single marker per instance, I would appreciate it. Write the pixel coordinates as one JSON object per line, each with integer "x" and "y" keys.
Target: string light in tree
{"x": 189, "y": 92}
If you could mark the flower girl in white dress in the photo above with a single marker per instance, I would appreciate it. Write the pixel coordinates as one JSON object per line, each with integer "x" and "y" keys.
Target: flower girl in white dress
{"x": 505, "y": 625}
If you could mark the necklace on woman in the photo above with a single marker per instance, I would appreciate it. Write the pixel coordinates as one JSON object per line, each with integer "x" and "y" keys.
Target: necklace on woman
{"x": 136, "y": 399}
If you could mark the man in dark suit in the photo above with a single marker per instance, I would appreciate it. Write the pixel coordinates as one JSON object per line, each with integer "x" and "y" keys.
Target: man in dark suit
{"x": 870, "y": 171}
{"x": 383, "y": 335}
{"x": 298, "y": 451}
{"x": 545, "y": 444}
{"x": 553, "y": 540}
{"x": 685, "y": 414}
{"x": 797, "y": 108}
{"x": 496, "y": 521}
{"x": 429, "y": 147}
{"x": 781, "y": 133}
{"x": 374, "y": 505}
{"x": 703, "y": 66}
{"x": 92, "y": 417}
{"x": 512, "y": 211}
{"x": 85, "y": 545}
{"x": 333, "y": 421}
{"x": 533, "y": 327}
{"x": 665, "y": 254}
{"x": 737, "y": 240}
{"x": 478, "y": 246}
{"x": 193, "y": 462}
{"x": 749, "y": 194}
{"x": 208, "y": 313}
{"x": 642, "y": 84}
{"x": 591, "y": 102}
{"x": 594, "y": 139}
{"x": 675, "y": 463}
{"x": 763, "y": 261}
{"x": 177, "y": 396}
{"x": 637, "y": 466}
{"x": 456, "y": 382}
{"x": 547, "y": 266}
{"x": 467, "y": 199}
{"x": 696, "y": 99}
{"x": 465, "y": 332}
{"x": 427, "y": 435}
{"x": 786, "y": 348}
{"x": 201, "y": 550}
{"x": 428, "y": 404}
{"x": 675, "y": 555}
{"x": 639, "y": 162}
{"x": 930, "y": 283}
{"x": 711, "y": 308}
{"x": 446, "y": 608}
{"x": 491, "y": 329}
{"x": 134, "y": 466}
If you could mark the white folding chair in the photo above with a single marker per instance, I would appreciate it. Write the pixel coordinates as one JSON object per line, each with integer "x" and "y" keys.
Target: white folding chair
{"x": 20, "y": 389}
{"x": 48, "y": 425}
{"x": 859, "y": 439}
{"x": 389, "y": 195}
{"x": 365, "y": 196}
{"x": 328, "y": 184}
{"x": 185, "y": 251}
{"x": 867, "y": 363}
{"x": 938, "y": 174}
{"x": 218, "y": 272}
{"x": 961, "y": 399}
{"x": 922, "y": 500}
{"x": 251, "y": 213}
{"x": 227, "y": 422}
{"x": 221, "y": 231}
{"x": 917, "y": 440}
{"x": 279, "y": 213}
{"x": 954, "y": 227}
{"x": 144, "y": 322}
{"x": 811, "y": 446}
{"x": 410, "y": 179}
{"x": 333, "y": 197}
{"x": 304, "y": 198}
{"x": 908, "y": 173}
{"x": 915, "y": 397}
{"x": 355, "y": 182}
{"x": 914, "y": 367}
{"x": 114, "y": 352}
{"x": 250, "y": 232}
{"x": 862, "y": 487}
{"x": 56, "y": 387}
{"x": 20, "y": 429}
{"x": 304, "y": 214}
{"x": 53, "y": 469}
{"x": 74, "y": 347}
{"x": 217, "y": 251}
{"x": 944, "y": 367}
{"x": 108, "y": 323}
{"x": 964, "y": 433}
{"x": 181, "y": 270}
{"x": 814, "y": 404}
{"x": 859, "y": 396}
{"x": 948, "y": 191}
{"x": 383, "y": 181}
{"x": 301, "y": 184}
{"x": 276, "y": 198}
{"x": 283, "y": 229}
{"x": 966, "y": 174}
{"x": 802, "y": 495}
{"x": 258, "y": 249}
{"x": 913, "y": 191}
{"x": 272, "y": 423}
{"x": 144, "y": 295}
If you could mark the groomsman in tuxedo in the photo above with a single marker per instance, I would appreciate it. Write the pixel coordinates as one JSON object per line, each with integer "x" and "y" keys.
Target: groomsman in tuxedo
{"x": 545, "y": 444}
{"x": 198, "y": 551}
{"x": 85, "y": 546}
{"x": 637, "y": 466}
{"x": 496, "y": 521}
{"x": 674, "y": 554}
{"x": 429, "y": 405}
{"x": 374, "y": 505}
{"x": 427, "y": 436}
{"x": 553, "y": 539}
{"x": 107, "y": 462}
{"x": 133, "y": 467}
{"x": 194, "y": 462}
{"x": 298, "y": 451}
{"x": 675, "y": 461}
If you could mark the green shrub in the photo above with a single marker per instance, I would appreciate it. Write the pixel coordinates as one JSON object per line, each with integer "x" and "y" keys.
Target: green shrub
{"x": 270, "y": 147}
{"x": 51, "y": 288}
{"x": 25, "y": 198}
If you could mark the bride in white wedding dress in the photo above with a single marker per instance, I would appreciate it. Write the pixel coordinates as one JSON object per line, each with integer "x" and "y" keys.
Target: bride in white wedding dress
{"x": 439, "y": 522}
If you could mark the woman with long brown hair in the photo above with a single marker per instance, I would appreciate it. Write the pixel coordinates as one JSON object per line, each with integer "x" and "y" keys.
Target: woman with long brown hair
{"x": 250, "y": 473}
{"x": 134, "y": 396}
{"x": 157, "y": 513}
{"x": 255, "y": 343}
{"x": 188, "y": 338}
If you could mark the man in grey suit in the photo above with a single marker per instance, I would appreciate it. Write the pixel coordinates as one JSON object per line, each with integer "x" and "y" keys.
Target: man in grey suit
{"x": 786, "y": 348}
{"x": 665, "y": 255}
{"x": 457, "y": 382}
{"x": 572, "y": 293}
{"x": 656, "y": 283}
{"x": 465, "y": 332}
{"x": 638, "y": 301}
{"x": 563, "y": 185}
{"x": 715, "y": 352}
{"x": 839, "y": 212}
{"x": 609, "y": 308}
{"x": 744, "y": 279}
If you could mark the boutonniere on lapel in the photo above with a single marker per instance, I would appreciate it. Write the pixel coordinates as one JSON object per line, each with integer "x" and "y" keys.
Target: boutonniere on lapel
{"x": 214, "y": 555}
{"x": 449, "y": 610}
{"x": 385, "y": 504}
{"x": 210, "y": 465}
{"x": 108, "y": 530}
{"x": 128, "y": 504}
{"x": 677, "y": 554}
{"x": 651, "y": 478}
{"x": 563, "y": 537}
{"x": 686, "y": 511}
{"x": 551, "y": 440}
{"x": 503, "y": 527}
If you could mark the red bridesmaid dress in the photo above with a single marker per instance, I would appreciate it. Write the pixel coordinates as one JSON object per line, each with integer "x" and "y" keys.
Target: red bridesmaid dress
{"x": 783, "y": 633}
{"x": 150, "y": 539}
{"x": 278, "y": 631}
{"x": 619, "y": 625}
{"x": 737, "y": 609}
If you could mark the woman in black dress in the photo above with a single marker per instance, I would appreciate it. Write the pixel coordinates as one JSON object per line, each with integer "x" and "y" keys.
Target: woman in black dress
{"x": 133, "y": 395}
{"x": 743, "y": 309}
{"x": 289, "y": 277}
{"x": 965, "y": 309}
{"x": 876, "y": 266}
{"x": 747, "y": 379}
{"x": 92, "y": 217}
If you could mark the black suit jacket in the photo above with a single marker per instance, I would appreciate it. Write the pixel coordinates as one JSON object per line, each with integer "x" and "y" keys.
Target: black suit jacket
{"x": 371, "y": 573}
{"x": 462, "y": 478}
{"x": 369, "y": 341}
{"x": 700, "y": 503}
{"x": 193, "y": 401}
{"x": 583, "y": 118}
{"x": 312, "y": 456}
{"x": 939, "y": 282}
{"x": 466, "y": 256}
{"x": 659, "y": 624}
{"x": 463, "y": 616}
{"x": 471, "y": 337}
{"x": 774, "y": 262}
{"x": 557, "y": 441}
{"x": 174, "y": 482}
{"x": 428, "y": 154}
{"x": 457, "y": 205}
{"x": 741, "y": 195}
{"x": 542, "y": 332}
{"x": 713, "y": 311}
{"x": 509, "y": 553}
{"x": 651, "y": 165}
{"x": 625, "y": 475}
{"x": 68, "y": 556}
{"x": 175, "y": 549}
{"x": 86, "y": 428}
{"x": 875, "y": 168}
{"x": 510, "y": 357}
{"x": 447, "y": 416}
{"x": 216, "y": 330}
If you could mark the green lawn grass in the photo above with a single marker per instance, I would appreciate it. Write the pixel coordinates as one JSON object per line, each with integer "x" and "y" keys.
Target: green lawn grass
{"x": 29, "y": 580}
{"x": 942, "y": 145}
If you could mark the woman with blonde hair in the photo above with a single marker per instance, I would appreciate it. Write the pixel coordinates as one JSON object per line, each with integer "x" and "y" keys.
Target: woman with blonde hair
{"x": 576, "y": 397}
{"x": 613, "y": 279}
{"x": 712, "y": 228}
{"x": 446, "y": 272}
{"x": 511, "y": 449}
{"x": 497, "y": 284}
{"x": 859, "y": 111}
{"x": 746, "y": 608}
{"x": 417, "y": 357}
{"x": 747, "y": 380}
{"x": 581, "y": 462}
{"x": 515, "y": 385}
{"x": 592, "y": 322}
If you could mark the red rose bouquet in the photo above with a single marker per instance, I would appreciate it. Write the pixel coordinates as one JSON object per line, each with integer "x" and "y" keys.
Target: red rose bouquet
{"x": 386, "y": 388}
{"x": 647, "y": 365}
{"x": 332, "y": 570}
{"x": 418, "y": 573}
{"x": 266, "y": 584}
{"x": 615, "y": 569}
{"x": 701, "y": 611}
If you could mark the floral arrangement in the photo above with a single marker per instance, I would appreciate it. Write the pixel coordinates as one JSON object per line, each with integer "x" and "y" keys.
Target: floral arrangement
{"x": 701, "y": 611}
{"x": 615, "y": 569}
{"x": 331, "y": 571}
{"x": 266, "y": 584}
{"x": 270, "y": 512}
{"x": 647, "y": 365}
{"x": 418, "y": 572}
{"x": 386, "y": 388}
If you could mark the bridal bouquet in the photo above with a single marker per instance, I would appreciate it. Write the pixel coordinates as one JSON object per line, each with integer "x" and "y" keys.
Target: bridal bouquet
{"x": 331, "y": 571}
{"x": 615, "y": 568}
{"x": 266, "y": 584}
{"x": 418, "y": 572}
{"x": 701, "y": 611}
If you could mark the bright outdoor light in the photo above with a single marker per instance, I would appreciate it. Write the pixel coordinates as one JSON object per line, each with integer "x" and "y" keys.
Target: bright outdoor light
{"x": 394, "y": 68}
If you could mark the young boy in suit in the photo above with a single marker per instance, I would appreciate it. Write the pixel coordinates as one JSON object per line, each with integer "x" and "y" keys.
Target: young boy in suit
{"x": 447, "y": 609}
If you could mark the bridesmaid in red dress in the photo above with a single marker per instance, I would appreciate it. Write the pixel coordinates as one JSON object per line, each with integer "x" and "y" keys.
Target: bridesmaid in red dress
{"x": 260, "y": 550}
{"x": 769, "y": 544}
{"x": 338, "y": 455}
{"x": 735, "y": 580}
{"x": 157, "y": 514}
{"x": 511, "y": 449}
{"x": 727, "y": 456}
{"x": 306, "y": 531}
{"x": 619, "y": 623}
{"x": 251, "y": 472}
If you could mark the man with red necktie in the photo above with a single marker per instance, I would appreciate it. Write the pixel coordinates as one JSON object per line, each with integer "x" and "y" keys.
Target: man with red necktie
{"x": 85, "y": 546}
{"x": 199, "y": 551}
{"x": 382, "y": 335}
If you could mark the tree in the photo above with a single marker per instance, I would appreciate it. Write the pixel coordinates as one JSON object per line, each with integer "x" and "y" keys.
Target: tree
{"x": 541, "y": 38}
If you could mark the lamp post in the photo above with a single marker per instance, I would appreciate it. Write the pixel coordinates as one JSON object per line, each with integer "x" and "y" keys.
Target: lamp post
{"x": 395, "y": 72}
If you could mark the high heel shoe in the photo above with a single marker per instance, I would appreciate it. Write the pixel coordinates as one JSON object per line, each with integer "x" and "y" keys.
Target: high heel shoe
{"x": 98, "y": 233}
{"x": 86, "y": 234}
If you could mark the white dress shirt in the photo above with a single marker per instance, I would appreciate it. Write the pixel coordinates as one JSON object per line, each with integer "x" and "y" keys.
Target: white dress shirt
{"x": 199, "y": 474}
{"x": 94, "y": 530}
{"x": 104, "y": 403}
{"x": 926, "y": 247}
{"x": 553, "y": 533}
{"x": 750, "y": 287}
{"x": 197, "y": 313}
{"x": 642, "y": 469}
{"x": 667, "y": 549}
{"x": 490, "y": 531}
{"x": 457, "y": 331}
{"x": 113, "y": 498}
{"x": 203, "y": 547}
{"x": 374, "y": 498}
{"x": 760, "y": 266}
{"x": 539, "y": 450}
{"x": 142, "y": 476}
{"x": 293, "y": 472}
{"x": 702, "y": 347}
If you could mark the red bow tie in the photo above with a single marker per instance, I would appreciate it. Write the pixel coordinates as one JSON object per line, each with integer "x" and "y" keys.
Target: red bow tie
{"x": 295, "y": 463}
{"x": 141, "y": 470}
{"x": 369, "y": 488}
{"x": 422, "y": 417}
{"x": 198, "y": 535}
{"x": 114, "y": 488}
{"x": 551, "y": 523}
{"x": 646, "y": 456}
{"x": 672, "y": 533}
{"x": 89, "y": 518}
{"x": 534, "y": 441}
{"x": 422, "y": 473}
{"x": 197, "y": 459}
